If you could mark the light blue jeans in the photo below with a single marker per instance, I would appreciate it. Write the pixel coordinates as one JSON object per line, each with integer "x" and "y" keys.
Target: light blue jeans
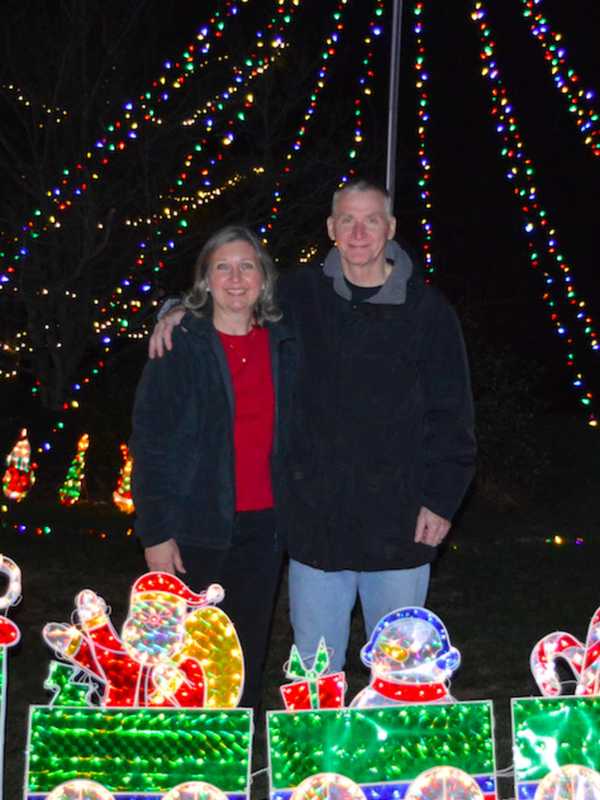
{"x": 321, "y": 604}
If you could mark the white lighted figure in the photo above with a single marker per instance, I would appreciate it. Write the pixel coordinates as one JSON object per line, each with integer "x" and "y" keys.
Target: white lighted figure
{"x": 571, "y": 782}
{"x": 410, "y": 658}
{"x": 175, "y": 649}
{"x": 582, "y": 659}
{"x": 328, "y": 786}
{"x": 195, "y": 790}
{"x": 80, "y": 789}
{"x": 444, "y": 783}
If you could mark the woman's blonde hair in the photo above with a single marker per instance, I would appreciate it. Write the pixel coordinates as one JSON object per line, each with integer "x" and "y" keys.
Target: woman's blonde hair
{"x": 198, "y": 299}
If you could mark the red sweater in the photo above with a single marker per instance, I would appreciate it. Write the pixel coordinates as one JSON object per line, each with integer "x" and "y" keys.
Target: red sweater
{"x": 249, "y": 360}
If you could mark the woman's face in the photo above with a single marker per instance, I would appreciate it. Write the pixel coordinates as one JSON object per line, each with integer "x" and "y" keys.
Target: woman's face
{"x": 235, "y": 279}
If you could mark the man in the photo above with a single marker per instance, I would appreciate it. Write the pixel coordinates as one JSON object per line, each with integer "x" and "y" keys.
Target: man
{"x": 383, "y": 447}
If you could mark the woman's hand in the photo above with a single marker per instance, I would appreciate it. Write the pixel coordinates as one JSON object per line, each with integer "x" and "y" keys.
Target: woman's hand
{"x": 164, "y": 557}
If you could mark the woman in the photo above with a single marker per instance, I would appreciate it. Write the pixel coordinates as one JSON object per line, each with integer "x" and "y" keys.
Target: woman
{"x": 208, "y": 423}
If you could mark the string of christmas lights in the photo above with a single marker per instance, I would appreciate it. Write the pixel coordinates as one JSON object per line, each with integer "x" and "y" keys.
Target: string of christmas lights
{"x": 75, "y": 181}
{"x": 544, "y": 252}
{"x": 329, "y": 51}
{"x": 365, "y": 81}
{"x": 53, "y": 113}
{"x": 284, "y": 10}
{"x": 566, "y": 79}
{"x": 423, "y": 115}
{"x": 173, "y": 218}
{"x": 255, "y": 64}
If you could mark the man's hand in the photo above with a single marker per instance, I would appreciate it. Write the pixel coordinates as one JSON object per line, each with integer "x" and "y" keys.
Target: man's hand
{"x": 164, "y": 557}
{"x": 162, "y": 335}
{"x": 431, "y": 529}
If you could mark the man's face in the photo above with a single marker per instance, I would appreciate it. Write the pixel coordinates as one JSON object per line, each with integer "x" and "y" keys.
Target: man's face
{"x": 360, "y": 227}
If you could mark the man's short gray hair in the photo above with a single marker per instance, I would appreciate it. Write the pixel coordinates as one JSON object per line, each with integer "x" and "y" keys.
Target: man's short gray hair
{"x": 198, "y": 299}
{"x": 361, "y": 185}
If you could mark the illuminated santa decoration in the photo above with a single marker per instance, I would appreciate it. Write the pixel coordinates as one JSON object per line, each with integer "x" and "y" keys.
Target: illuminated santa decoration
{"x": 20, "y": 473}
{"x": 172, "y": 650}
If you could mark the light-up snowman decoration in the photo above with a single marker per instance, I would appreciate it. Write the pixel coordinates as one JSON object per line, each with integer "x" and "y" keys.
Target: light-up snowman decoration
{"x": 411, "y": 660}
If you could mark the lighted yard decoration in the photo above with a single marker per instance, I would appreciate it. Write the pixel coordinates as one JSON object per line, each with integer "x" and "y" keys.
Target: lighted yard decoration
{"x": 556, "y": 748}
{"x": 70, "y": 492}
{"x": 176, "y": 648}
{"x": 411, "y": 660}
{"x": 582, "y": 659}
{"x": 136, "y": 751}
{"x": 164, "y": 723}
{"x": 384, "y": 751}
{"x": 19, "y": 476}
{"x": 402, "y": 737}
{"x": 312, "y": 687}
{"x": 122, "y": 495}
{"x": 9, "y": 635}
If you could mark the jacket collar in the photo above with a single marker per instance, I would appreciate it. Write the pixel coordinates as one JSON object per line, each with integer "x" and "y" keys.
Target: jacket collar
{"x": 393, "y": 291}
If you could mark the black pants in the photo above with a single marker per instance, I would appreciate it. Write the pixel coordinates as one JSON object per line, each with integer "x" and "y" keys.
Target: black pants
{"x": 249, "y": 571}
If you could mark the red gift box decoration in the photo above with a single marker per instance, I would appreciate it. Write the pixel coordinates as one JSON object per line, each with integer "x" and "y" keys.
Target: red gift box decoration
{"x": 314, "y": 690}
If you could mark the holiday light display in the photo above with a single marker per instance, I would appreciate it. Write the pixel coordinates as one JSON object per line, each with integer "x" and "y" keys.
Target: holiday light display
{"x": 122, "y": 495}
{"x": 582, "y": 659}
{"x": 19, "y": 476}
{"x": 328, "y": 786}
{"x": 70, "y": 492}
{"x": 313, "y": 688}
{"x": 9, "y": 636}
{"x": 69, "y": 686}
{"x": 80, "y": 789}
{"x": 544, "y": 251}
{"x": 556, "y": 747}
{"x": 166, "y": 655}
{"x": 424, "y": 118}
{"x": 411, "y": 660}
{"x": 570, "y": 783}
{"x": 365, "y": 79}
{"x": 382, "y": 750}
{"x": 254, "y": 65}
{"x": 444, "y": 783}
{"x": 323, "y": 73}
{"x": 138, "y": 752}
{"x": 175, "y": 216}
{"x": 566, "y": 79}
{"x": 151, "y": 733}
{"x": 75, "y": 181}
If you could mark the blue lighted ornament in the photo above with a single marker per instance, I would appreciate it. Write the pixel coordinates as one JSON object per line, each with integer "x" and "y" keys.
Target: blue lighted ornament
{"x": 411, "y": 660}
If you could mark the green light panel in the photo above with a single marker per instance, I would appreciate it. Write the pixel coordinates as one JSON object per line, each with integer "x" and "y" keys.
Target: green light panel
{"x": 380, "y": 745}
{"x": 138, "y": 750}
{"x": 550, "y": 732}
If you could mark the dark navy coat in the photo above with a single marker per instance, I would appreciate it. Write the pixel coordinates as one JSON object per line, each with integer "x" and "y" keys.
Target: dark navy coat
{"x": 183, "y": 479}
{"x": 383, "y": 422}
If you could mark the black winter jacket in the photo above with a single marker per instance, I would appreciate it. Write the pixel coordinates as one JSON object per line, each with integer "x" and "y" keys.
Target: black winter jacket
{"x": 384, "y": 420}
{"x": 182, "y": 443}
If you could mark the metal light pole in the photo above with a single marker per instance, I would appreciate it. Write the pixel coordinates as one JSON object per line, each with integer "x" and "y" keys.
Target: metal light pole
{"x": 392, "y": 138}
